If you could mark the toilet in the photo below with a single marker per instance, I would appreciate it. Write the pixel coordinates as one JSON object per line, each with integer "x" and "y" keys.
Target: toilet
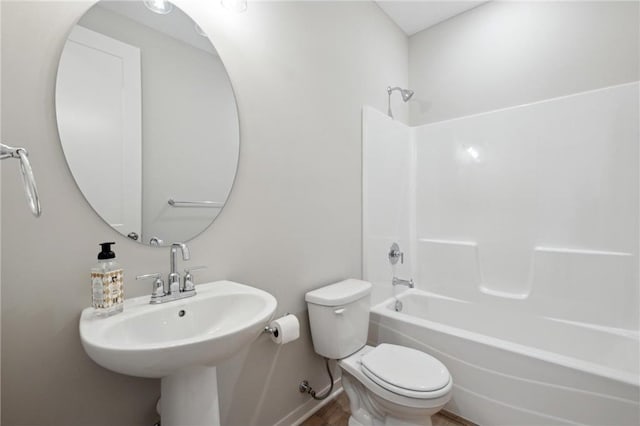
{"x": 387, "y": 384}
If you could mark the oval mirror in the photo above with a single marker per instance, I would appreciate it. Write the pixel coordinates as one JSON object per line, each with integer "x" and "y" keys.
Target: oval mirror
{"x": 147, "y": 120}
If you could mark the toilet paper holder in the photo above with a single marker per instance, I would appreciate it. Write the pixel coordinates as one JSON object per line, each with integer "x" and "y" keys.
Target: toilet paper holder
{"x": 271, "y": 330}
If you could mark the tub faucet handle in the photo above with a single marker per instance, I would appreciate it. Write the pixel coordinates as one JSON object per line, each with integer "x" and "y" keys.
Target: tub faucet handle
{"x": 395, "y": 254}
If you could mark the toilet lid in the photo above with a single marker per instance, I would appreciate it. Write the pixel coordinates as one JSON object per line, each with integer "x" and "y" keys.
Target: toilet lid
{"x": 405, "y": 368}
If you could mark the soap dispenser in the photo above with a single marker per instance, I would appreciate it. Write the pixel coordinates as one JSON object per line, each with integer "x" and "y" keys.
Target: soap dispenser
{"x": 107, "y": 283}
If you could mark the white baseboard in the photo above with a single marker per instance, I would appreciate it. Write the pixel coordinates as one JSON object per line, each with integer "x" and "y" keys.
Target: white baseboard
{"x": 306, "y": 410}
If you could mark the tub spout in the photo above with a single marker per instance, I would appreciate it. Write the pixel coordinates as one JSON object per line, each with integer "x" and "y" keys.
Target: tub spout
{"x": 397, "y": 281}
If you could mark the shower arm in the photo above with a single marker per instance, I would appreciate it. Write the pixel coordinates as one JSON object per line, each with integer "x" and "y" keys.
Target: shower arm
{"x": 405, "y": 93}
{"x": 30, "y": 188}
{"x": 389, "y": 91}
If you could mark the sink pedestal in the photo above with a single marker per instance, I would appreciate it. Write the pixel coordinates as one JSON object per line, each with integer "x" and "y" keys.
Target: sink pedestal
{"x": 190, "y": 398}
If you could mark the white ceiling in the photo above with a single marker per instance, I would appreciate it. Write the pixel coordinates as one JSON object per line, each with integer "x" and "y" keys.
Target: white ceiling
{"x": 411, "y": 16}
{"x": 414, "y": 16}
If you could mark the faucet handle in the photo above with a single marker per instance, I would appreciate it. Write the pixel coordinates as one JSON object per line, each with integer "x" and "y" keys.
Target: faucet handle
{"x": 146, "y": 276}
{"x": 188, "y": 283}
{"x": 155, "y": 241}
{"x": 193, "y": 268}
{"x": 157, "y": 290}
{"x": 395, "y": 254}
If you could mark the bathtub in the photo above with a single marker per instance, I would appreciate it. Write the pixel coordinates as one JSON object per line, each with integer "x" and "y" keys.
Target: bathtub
{"x": 511, "y": 368}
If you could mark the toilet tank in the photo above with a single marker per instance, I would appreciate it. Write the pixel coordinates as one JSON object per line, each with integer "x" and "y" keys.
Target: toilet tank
{"x": 339, "y": 317}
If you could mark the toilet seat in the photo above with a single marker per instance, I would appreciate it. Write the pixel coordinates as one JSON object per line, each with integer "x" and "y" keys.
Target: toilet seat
{"x": 405, "y": 371}
{"x": 351, "y": 366}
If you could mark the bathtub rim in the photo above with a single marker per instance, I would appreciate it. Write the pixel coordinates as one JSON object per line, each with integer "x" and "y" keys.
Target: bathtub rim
{"x": 384, "y": 309}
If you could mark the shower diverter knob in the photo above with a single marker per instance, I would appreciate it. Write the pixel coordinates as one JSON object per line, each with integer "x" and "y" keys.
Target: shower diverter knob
{"x": 395, "y": 254}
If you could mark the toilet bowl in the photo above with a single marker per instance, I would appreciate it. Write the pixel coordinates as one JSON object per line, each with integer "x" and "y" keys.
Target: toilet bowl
{"x": 413, "y": 397}
{"x": 388, "y": 384}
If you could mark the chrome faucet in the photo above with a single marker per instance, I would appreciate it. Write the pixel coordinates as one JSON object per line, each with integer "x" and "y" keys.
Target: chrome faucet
{"x": 175, "y": 288}
{"x": 397, "y": 281}
{"x": 174, "y": 276}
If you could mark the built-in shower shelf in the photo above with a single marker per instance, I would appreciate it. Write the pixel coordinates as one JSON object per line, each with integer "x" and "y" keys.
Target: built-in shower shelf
{"x": 452, "y": 265}
{"x": 564, "y": 250}
{"x": 449, "y": 242}
{"x": 504, "y": 294}
{"x": 563, "y": 282}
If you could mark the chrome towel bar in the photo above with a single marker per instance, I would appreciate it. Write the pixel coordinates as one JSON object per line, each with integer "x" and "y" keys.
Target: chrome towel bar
{"x": 212, "y": 204}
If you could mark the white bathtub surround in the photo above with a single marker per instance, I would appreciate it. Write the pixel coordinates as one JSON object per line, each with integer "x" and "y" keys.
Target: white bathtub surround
{"x": 513, "y": 368}
{"x": 548, "y": 215}
{"x": 524, "y": 221}
{"x": 387, "y": 188}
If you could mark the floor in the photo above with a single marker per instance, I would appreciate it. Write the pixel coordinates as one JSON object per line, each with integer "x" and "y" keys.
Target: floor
{"x": 336, "y": 413}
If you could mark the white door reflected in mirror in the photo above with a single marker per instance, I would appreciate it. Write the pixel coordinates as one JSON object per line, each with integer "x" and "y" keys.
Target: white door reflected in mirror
{"x": 99, "y": 117}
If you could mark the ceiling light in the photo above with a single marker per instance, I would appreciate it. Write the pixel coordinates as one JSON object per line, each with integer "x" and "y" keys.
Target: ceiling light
{"x": 234, "y": 5}
{"x": 161, "y": 7}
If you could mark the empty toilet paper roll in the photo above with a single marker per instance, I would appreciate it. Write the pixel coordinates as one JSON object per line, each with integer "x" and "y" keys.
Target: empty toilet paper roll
{"x": 285, "y": 329}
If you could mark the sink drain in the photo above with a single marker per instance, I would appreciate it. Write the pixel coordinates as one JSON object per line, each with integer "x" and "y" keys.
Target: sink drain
{"x": 181, "y": 313}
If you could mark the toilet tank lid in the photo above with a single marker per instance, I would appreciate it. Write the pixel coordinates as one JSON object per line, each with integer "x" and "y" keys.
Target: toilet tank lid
{"x": 340, "y": 293}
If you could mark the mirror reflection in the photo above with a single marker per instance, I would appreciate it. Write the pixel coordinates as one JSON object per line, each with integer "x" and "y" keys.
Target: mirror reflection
{"x": 147, "y": 119}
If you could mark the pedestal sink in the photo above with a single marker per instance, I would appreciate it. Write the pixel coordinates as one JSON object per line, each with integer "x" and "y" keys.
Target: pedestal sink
{"x": 180, "y": 342}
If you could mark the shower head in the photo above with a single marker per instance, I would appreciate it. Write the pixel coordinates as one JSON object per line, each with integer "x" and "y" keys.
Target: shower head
{"x": 405, "y": 93}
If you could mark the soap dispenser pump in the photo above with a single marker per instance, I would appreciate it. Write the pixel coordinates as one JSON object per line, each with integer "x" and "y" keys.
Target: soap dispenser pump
{"x": 107, "y": 284}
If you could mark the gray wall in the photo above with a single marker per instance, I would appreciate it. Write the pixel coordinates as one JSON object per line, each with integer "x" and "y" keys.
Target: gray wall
{"x": 503, "y": 54}
{"x": 301, "y": 72}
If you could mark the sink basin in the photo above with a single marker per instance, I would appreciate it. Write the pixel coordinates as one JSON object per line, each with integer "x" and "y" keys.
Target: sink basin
{"x": 158, "y": 340}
